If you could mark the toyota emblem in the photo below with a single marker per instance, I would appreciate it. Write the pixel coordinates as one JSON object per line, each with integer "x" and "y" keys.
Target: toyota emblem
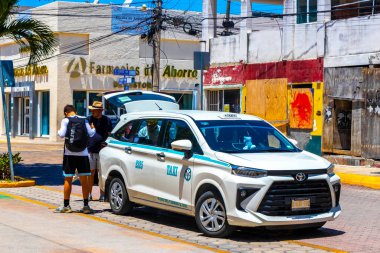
{"x": 300, "y": 177}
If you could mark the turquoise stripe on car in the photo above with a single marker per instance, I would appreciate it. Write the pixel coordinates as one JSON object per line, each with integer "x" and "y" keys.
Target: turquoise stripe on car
{"x": 200, "y": 157}
{"x": 146, "y": 147}
{"x": 208, "y": 159}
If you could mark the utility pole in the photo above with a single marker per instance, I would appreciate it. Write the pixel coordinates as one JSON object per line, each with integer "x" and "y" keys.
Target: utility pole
{"x": 157, "y": 14}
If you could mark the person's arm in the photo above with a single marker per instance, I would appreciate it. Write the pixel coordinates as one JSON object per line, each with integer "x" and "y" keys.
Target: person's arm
{"x": 63, "y": 129}
{"x": 91, "y": 131}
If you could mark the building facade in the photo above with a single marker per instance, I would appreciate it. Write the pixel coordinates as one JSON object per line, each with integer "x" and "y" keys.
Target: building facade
{"x": 90, "y": 47}
{"x": 313, "y": 74}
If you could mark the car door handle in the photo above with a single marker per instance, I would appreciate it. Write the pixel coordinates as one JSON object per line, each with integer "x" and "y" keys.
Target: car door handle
{"x": 128, "y": 150}
{"x": 161, "y": 157}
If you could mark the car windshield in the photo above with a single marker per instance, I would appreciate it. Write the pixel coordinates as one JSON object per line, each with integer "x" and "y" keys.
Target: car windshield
{"x": 244, "y": 136}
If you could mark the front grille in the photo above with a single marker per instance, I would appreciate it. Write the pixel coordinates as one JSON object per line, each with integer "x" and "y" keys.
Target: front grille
{"x": 278, "y": 199}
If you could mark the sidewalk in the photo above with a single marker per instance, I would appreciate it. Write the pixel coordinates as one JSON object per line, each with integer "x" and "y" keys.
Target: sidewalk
{"x": 359, "y": 175}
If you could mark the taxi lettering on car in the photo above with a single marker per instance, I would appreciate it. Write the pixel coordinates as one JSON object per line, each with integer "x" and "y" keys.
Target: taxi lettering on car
{"x": 226, "y": 170}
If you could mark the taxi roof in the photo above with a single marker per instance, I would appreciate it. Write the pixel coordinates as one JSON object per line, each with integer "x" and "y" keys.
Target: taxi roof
{"x": 196, "y": 115}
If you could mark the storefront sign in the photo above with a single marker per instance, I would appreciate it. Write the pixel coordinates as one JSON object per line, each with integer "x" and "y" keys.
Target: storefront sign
{"x": 79, "y": 66}
{"x": 31, "y": 70}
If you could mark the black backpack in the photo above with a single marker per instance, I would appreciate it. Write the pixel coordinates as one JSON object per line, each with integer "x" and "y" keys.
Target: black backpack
{"x": 76, "y": 138}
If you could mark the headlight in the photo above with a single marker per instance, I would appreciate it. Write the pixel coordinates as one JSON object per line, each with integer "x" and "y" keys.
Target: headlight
{"x": 330, "y": 170}
{"x": 248, "y": 172}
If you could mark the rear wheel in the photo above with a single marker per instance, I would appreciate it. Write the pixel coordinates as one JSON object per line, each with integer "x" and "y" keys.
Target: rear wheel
{"x": 210, "y": 215}
{"x": 118, "y": 197}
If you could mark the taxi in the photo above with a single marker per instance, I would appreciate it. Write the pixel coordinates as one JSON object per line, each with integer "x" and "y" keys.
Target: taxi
{"x": 227, "y": 170}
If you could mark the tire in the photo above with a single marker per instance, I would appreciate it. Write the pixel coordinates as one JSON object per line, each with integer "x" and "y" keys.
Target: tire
{"x": 118, "y": 197}
{"x": 211, "y": 223}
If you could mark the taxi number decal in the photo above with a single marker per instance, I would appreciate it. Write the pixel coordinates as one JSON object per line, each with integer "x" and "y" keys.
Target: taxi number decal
{"x": 139, "y": 165}
{"x": 171, "y": 170}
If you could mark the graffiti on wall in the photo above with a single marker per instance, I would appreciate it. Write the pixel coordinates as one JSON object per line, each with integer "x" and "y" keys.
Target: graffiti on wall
{"x": 373, "y": 103}
{"x": 301, "y": 108}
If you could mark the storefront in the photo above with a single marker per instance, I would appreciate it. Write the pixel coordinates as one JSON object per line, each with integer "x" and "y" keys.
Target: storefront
{"x": 30, "y": 111}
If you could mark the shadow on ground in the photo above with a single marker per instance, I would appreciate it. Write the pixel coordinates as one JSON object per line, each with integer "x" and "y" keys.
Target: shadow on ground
{"x": 43, "y": 174}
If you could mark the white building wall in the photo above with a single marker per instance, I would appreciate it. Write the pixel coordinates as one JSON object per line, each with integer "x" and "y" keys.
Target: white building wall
{"x": 260, "y": 51}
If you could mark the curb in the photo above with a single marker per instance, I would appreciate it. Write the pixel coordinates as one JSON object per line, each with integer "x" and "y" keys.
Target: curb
{"x": 25, "y": 183}
{"x": 372, "y": 182}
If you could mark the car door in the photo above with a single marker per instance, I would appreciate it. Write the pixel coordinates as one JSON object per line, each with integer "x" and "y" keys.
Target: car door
{"x": 174, "y": 171}
{"x": 138, "y": 159}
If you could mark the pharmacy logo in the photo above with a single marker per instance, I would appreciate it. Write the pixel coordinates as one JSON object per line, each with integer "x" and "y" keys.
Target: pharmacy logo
{"x": 76, "y": 67}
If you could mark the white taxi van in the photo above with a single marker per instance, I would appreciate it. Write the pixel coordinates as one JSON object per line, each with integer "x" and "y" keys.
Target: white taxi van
{"x": 227, "y": 170}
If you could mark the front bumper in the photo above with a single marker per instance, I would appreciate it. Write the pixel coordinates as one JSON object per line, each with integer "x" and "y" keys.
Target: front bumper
{"x": 254, "y": 215}
{"x": 254, "y": 219}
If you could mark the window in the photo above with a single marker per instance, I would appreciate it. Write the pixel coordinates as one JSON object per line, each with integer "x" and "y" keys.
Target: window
{"x": 125, "y": 133}
{"x": 244, "y": 136}
{"x": 306, "y": 11}
{"x": 179, "y": 130}
{"x": 342, "y": 9}
{"x": 147, "y": 132}
{"x": 79, "y": 98}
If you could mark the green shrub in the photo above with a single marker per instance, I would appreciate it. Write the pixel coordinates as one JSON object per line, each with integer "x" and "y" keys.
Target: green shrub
{"x": 5, "y": 172}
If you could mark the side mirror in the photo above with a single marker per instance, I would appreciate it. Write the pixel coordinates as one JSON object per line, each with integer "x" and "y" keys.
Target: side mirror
{"x": 293, "y": 141}
{"x": 182, "y": 145}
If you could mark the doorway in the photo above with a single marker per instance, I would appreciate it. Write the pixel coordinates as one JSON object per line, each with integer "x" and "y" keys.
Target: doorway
{"x": 342, "y": 124}
{"x": 26, "y": 116}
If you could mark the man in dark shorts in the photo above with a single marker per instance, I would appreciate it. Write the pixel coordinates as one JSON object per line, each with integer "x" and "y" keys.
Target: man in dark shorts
{"x": 103, "y": 127}
{"x": 74, "y": 161}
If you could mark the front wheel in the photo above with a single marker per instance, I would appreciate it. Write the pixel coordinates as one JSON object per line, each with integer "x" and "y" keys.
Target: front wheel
{"x": 210, "y": 215}
{"x": 118, "y": 197}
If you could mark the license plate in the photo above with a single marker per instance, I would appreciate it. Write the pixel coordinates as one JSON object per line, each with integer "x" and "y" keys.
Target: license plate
{"x": 299, "y": 204}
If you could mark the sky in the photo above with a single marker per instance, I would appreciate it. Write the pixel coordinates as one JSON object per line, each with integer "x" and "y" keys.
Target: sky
{"x": 191, "y": 5}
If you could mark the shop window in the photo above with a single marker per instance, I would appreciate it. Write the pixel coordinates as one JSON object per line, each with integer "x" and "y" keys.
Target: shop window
{"x": 342, "y": 9}
{"x": 224, "y": 100}
{"x": 185, "y": 101}
{"x": 306, "y": 11}
{"x": 45, "y": 113}
{"x": 79, "y": 98}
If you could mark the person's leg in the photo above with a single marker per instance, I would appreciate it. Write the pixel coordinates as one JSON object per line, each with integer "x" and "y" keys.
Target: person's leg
{"x": 67, "y": 186}
{"x": 84, "y": 181}
{"x": 84, "y": 174}
{"x": 92, "y": 160}
{"x": 100, "y": 179}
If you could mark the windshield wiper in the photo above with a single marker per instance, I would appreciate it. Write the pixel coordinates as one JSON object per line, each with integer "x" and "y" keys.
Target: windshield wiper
{"x": 277, "y": 150}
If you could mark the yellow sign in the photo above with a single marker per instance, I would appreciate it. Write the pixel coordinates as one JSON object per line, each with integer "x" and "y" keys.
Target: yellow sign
{"x": 31, "y": 70}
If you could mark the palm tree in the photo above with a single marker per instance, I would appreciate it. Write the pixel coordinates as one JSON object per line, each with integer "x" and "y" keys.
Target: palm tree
{"x": 29, "y": 33}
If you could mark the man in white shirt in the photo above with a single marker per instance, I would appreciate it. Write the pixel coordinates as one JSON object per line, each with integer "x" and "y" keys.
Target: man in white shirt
{"x": 74, "y": 161}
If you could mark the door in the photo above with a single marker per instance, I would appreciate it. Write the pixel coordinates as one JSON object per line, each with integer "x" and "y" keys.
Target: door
{"x": 26, "y": 114}
{"x": 174, "y": 171}
{"x": 138, "y": 142}
{"x": 342, "y": 124}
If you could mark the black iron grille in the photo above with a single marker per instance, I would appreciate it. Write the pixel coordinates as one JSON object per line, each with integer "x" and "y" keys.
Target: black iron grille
{"x": 278, "y": 199}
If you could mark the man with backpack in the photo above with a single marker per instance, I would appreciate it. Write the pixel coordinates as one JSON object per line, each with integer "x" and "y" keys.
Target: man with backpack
{"x": 76, "y": 130}
{"x": 103, "y": 127}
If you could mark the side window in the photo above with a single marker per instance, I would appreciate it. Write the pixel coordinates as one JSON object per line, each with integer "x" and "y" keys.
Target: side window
{"x": 125, "y": 132}
{"x": 147, "y": 132}
{"x": 179, "y": 130}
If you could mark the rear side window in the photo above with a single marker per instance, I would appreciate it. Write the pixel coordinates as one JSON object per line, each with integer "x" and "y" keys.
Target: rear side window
{"x": 179, "y": 130}
{"x": 125, "y": 133}
{"x": 147, "y": 132}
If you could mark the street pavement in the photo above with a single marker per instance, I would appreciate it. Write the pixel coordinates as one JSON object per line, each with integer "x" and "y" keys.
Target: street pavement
{"x": 356, "y": 230}
{"x": 29, "y": 227}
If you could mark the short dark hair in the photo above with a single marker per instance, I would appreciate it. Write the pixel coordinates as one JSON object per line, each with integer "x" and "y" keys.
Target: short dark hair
{"x": 69, "y": 108}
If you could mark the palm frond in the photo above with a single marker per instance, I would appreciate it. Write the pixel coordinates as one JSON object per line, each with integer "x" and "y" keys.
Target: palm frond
{"x": 33, "y": 33}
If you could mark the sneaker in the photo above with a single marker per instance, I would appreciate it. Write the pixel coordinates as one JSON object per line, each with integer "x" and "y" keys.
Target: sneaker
{"x": 63, "y": 209}
{"x": 102, "y": 199}
{"x": 87, "y": 210}
{"x": 90, "y": 197}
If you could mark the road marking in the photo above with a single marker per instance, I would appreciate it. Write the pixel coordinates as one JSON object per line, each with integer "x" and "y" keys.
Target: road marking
{"x": 115, "y": 223}
{"x": 310, "y": 245}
